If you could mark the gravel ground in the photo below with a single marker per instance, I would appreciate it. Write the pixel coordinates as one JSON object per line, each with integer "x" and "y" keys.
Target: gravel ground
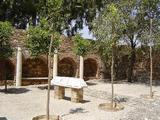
{"x": 26, "y": 102}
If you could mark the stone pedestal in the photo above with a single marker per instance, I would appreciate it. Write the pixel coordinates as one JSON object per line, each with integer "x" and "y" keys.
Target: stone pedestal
{"x": 59, "y": 92}
{"x": 76, "y": 95}
{"x": 81, "y": 95}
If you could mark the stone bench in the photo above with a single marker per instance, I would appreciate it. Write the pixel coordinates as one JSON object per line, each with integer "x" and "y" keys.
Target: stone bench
{"x": 76, "y": 85}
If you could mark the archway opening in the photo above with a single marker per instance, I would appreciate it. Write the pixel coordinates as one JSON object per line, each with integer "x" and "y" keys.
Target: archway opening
{"x": 7, "y": 70}
{"x": 67, "y": 67}
{"x": 35, "y": 67}
{"x": 90, "y": 68}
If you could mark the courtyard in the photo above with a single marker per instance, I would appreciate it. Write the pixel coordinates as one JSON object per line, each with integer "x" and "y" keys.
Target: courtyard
{"x": 79, "y": 60}
{"x": 23, "y": 103}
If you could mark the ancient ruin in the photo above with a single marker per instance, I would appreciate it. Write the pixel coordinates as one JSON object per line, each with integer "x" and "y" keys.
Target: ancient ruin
{"x": 68, "y": 64}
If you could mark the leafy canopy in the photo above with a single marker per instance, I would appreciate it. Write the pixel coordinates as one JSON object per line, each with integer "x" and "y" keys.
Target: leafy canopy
{"x": 39, "y": 39}
{"x": 5, "y": 34}
{"x": 152, "y": 14}
{"x": 70, "y": 15}
{"x": 109, "y": 25}
{"x": 108, "y": 28}
{"x": 81, "y": 46}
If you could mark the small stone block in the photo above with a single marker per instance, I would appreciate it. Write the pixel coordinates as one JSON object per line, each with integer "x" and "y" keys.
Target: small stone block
{"x": 59, "y": 92}
{"x": 77, "y": 95}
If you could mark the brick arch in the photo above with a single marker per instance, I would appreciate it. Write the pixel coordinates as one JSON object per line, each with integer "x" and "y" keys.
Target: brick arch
{"x": 34, "y": 67}
{"x": 7, "y": 70}
{"x": 90, "y": 68}
{"x": 67, "y": 67}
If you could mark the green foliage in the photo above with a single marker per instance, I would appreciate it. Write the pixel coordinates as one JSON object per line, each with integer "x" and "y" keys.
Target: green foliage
{"x": 81, "y": 46}
{"x": 136, "y": 17}
{"x": 152, "y": 13}
{"x": 61, "y": 13}
{"x": 109, "y": 26}
{"x": 39, "y": 39}
{"x": 151, "y": 8}
{"x": 51, "y": 10}
{"x": 19, "y": 11}
{"x": 108, "y": 29}
{"x": 5, "y": 34}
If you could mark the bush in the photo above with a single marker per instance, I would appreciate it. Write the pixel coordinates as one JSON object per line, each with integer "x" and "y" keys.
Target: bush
{"x": 5, "y": 45}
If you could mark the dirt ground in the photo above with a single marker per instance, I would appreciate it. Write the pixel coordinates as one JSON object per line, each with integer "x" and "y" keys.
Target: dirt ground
{"x": 26, "y": 102}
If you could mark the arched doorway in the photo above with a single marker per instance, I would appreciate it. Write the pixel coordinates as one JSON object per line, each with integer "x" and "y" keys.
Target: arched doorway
{"x": 67, "y": 67}
{"x": 7, "y": 70}
{"x": 34, "y": 68}
{"x": 90, "y": 68}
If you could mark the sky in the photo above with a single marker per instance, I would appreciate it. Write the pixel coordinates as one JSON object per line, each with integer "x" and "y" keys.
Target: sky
{"x": 86, "y": 33}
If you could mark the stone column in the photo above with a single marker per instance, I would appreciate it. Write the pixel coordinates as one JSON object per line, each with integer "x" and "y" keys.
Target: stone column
{"x": 19, "y": 67}
{"x": 55, "y": 63}
{"x": 77, "y": 94}
{"x": 81, "y": 66}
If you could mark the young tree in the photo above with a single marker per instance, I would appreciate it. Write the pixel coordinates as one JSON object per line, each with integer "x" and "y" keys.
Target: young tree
{"x": 108, "y": 28}
{"x": 42, "y": 41}
{"x": 5, "y": 45}
{"x": 135, "y": 19}
{"x": 152, "y": 30}
{"x": 61, "y": 13}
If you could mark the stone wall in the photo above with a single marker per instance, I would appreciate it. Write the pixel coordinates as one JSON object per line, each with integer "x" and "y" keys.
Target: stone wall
{"x": 142, "y": 68}
{"x": 7, "y": 70}
{"x": 34, "y": 67}
{"x": 68, "y": 64}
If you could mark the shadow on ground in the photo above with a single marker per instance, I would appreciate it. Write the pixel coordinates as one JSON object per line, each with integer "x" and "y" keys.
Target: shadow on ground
{"x": 45, "y": 87}
{"x": 91, "y": 83}
{"x": 15, "y": 91}
{"x": 75, "y": 111}
{"x": 78, "y": 110}
{"x": 69, "y": 99}
{"x": 121, "y": 99}
{"x": 3, "y": 118}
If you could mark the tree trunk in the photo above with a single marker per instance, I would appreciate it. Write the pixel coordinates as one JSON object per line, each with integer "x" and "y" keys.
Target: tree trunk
{"x": 113, "y": 74}
{"x": 47, "y": 59}
{"x": 131, "y": 64}
{"x": 5, "y": 76}
{"x": 49, "y": 77}
{"x": 151, "y": 72}
{"x": 151, "y": 60}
